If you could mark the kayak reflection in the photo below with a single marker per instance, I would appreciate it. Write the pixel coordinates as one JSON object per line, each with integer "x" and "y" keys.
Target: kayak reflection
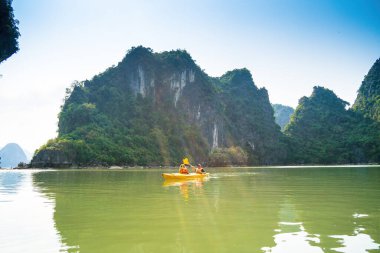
{"x": 185, "y": 185}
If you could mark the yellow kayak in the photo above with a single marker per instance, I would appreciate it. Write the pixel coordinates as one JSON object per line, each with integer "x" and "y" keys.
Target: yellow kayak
{"x": 179, "y": 176}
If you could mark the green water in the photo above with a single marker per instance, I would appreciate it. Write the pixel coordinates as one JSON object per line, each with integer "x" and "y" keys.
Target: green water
{"x": 300, "y": 209}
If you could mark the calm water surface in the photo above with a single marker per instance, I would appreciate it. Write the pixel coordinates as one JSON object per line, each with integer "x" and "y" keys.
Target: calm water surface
{"x": 300, "y": 209}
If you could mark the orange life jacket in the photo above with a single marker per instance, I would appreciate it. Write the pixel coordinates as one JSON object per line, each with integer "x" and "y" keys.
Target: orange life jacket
{"x": 183, "y": 170}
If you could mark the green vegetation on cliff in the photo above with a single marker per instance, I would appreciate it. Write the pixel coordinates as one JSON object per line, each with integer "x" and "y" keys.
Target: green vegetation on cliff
{"x": 8, "y": 30}
{"x": 368, "y": 99}
{"x": 323, "y": 131}
{"x": 155, "y": 108}
{"x": 249, "y": 118}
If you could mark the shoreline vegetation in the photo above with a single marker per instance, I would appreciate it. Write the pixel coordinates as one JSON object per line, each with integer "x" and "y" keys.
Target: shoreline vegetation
{"x": 176, "y": 167}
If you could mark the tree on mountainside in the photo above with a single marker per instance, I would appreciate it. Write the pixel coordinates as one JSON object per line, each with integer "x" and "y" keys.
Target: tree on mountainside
{"x": 368, "y": 99}
{"x": 8, "y": 30}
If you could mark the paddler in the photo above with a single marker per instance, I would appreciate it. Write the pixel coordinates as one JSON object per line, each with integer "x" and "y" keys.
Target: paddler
{"x": 199, "y": 169}
{"x": 183, "y": 169}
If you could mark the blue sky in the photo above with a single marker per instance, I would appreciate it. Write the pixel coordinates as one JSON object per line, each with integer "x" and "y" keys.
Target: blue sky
{"x": 289, "y": 47}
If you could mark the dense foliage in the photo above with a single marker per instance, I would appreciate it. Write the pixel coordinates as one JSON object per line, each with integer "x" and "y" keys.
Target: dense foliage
{"x": 282, "y": 114}
{"x": 368, "y": 99}
{"x": 322, "y": 131}
{"x": 220, "y": 157}
{"x": 8, "y": 30}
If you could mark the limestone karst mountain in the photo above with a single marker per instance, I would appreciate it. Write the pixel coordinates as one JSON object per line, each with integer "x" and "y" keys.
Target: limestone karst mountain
{"x": 154, "y": 108}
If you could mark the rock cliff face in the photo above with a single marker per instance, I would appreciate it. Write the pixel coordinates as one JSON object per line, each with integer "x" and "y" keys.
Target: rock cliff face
{"x": 52, "y": 158}
{"x": 155, "y": 108}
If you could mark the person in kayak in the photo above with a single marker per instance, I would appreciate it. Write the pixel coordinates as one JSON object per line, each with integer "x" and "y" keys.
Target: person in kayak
{"x": 183, "y": 169}
{"x": 199, "y": 169}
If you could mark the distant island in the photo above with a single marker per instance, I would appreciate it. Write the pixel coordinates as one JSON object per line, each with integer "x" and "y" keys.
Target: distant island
{"x": 155, "y": 108}
{"x": 11, "y": 155}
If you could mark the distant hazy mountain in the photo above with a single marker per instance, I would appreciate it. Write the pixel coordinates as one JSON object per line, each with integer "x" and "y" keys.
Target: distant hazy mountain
{"x": 11, "y": 155}
{"x": 282, "y": 114}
